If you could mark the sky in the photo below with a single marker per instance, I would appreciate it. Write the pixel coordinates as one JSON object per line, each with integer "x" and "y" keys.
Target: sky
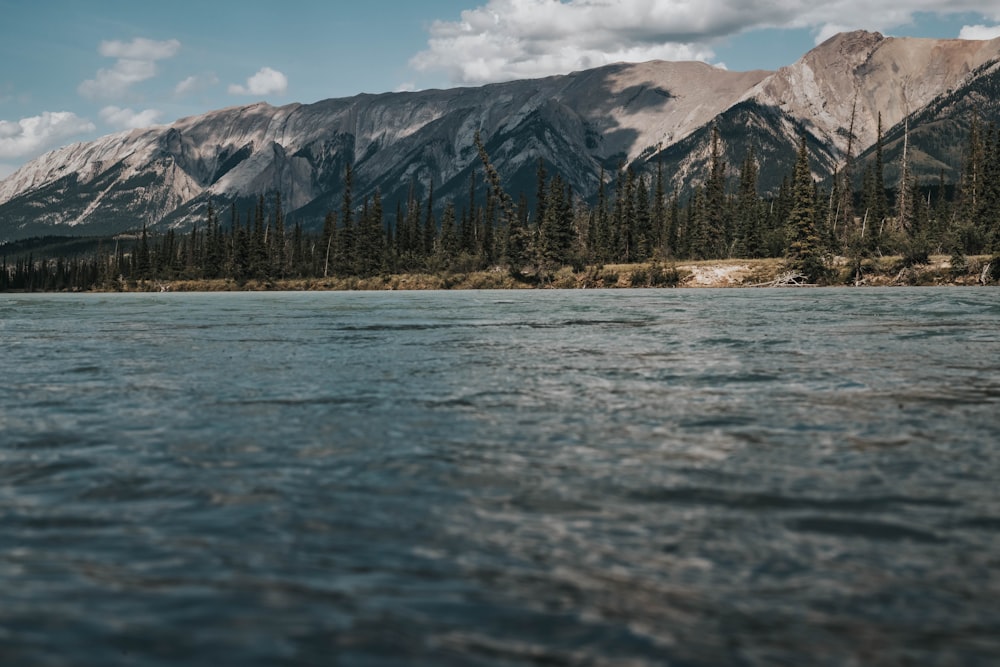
{"x": 72, "y": 71}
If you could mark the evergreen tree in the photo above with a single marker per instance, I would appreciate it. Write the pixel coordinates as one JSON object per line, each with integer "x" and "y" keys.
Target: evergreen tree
{"x": 556, "y": 233}
{"x": 989, "y": 208}
{"x": 468, "y": 232}
{"x": 346, "y": 238}
{"x": 603, "y": 234}
{"x": 370, "y": 251}
{"x": 430, "y": 230}
{"x": 450, "y": 243}
{"x": 659, "y": 220}
{"x": 697, "y": 243}
{"x": 142, "y": 260}
{"x": 487, "y": 248}
{"x": 328, "y": 241}
{"x": 278, "y": 247}
{"x": 626, "y": 219}
{"x": 644, "y": 239}
{"x": 541, "y": 192}
{"x": 517, "y": 249}
{"x": 674, "y": 226}
{"x": 747, "y": 242}
{"x": 716, "y": 218}
{"x": 804, "y": 252}
{"x": 880, "y": 202}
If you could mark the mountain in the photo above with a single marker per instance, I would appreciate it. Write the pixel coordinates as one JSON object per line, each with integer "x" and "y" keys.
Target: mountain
{"x": 850, "y": 80}
{"x": 578, "y": 124}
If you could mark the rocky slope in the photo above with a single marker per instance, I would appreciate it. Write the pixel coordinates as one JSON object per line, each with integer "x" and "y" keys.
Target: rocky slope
{"x": 578, "y": 124}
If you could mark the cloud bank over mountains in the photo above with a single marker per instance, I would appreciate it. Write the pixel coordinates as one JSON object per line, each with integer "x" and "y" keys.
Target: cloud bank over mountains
{"x": 136, "y": 61}
{"x": 510, "y": 39}
{"x": 265, "y": 82}
{"x": 31, "y": 135}
{"x": 137, "y": 80}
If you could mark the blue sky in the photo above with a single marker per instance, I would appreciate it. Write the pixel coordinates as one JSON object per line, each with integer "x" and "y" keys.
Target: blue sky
{"x": 73, "y": 71}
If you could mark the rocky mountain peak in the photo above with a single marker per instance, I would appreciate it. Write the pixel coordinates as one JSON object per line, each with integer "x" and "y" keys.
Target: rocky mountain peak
{"x": 578, "y": 124}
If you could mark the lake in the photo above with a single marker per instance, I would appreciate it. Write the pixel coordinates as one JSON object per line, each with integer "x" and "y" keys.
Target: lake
{"x": 648, "y": 477}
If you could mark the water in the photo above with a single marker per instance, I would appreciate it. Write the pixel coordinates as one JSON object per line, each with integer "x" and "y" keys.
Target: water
{"x": 501, "y": 478}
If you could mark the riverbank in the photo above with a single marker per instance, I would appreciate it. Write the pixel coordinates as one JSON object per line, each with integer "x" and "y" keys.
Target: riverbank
{"x": 729, "y": 273}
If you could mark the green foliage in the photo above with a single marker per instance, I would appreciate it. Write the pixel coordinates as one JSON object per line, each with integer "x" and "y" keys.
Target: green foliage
{"x": 804, "y": 252}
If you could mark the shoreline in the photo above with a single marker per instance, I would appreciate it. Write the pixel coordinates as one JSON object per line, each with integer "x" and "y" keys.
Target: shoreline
{"x": 704, "y": 274}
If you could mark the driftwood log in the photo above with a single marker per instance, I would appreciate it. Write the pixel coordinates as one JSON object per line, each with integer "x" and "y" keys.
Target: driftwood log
{"x": 788, "y": 279}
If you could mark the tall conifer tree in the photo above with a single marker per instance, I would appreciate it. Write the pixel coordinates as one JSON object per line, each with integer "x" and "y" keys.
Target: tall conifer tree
{"x": 804, "y": 252}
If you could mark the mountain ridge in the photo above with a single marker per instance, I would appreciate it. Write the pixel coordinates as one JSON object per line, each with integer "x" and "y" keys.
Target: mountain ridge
{"x": 578, "y": 124}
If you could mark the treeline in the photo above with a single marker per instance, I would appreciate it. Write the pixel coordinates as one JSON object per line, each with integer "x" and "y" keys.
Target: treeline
{"x": 632, "y": 218}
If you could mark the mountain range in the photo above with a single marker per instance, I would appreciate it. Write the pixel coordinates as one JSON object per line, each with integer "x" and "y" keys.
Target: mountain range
{"x": 580, "y": 125}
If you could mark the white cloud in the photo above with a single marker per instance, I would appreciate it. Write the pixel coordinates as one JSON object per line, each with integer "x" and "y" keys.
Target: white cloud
{"x": 140, "y": 49}
{"x": 265, "y": 82}
{"x": 196, "y": 83}
{"x": 127, "y": 119}
{"x": 510, "y": 39}
{"x": 30, "y": 136}
{"x": 979, "y": 32}
{"x": 136, "y": 63}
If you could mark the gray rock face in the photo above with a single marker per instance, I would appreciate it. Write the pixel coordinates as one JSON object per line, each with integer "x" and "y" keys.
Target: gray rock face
{"x": 399, "y": 143}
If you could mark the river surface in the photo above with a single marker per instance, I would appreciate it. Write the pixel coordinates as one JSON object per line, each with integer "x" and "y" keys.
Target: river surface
{"x": 656, "y": 477}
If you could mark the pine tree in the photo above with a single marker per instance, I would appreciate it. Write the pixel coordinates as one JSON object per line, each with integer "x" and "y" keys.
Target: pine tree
{"x": 747, "y": 233}
{"x": 430, "y": 228}
{"x": 260, "y": 261}
{"x": 988, "y": 220}
{"x": 487, "y": 246}
{"x": 880, "y": 203}
{"x": 142, "y": 259}
{"x": 804, "y": 252}
{"x": 370, "y": 238}
{"x": 659, "y": 213}
{"x": 696, "y": 242}
{"x": 449, "y": 245}
{"x": 278, "y": 242}
{"x": 557, "y": 233}
{"x": 674, "y": 226}
{"x": 346, "y": 237}
{"x": 328, "y": 241}
{"x": 517, "y": 248}
{"x": 541, "y": 192}
{"x": 716, "y": 217}
{"x": 625, "y": 210}
{"x": 844, "y": 221}
{"x": 603, "y": 241}
{"x": 644, "y": 239}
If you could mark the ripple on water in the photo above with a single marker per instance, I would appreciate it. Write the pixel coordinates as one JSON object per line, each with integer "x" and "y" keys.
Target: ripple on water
{"x": 512, "y": 478}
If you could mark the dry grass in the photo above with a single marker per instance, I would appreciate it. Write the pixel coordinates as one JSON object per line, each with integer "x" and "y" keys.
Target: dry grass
{"x": 878, "y": 271}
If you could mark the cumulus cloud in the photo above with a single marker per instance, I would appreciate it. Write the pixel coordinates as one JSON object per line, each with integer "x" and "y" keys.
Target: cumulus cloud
{"x": 196, "y": 83}
{"x": 980, "y": 32}
{"x": 510, "y": 39}
{"x": 30, "y": 136}
{"x": 265, "y": 82}
{"x": 127, "y": 119}
{"x": 136, "y": 62}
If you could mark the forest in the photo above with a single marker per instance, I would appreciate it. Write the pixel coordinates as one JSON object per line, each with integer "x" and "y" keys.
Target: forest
{"x": 632, "y": 218}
